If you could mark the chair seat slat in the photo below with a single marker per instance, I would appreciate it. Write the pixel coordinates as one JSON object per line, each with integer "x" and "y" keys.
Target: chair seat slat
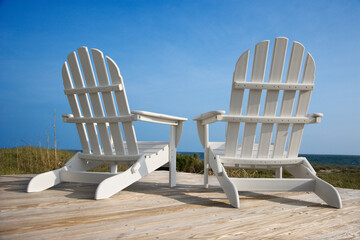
{"x": 261, "y": 161}
{"x": 111, "y": 158}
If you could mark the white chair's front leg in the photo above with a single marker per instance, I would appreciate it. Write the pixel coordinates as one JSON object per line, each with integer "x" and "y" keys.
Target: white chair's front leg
{"x": 49, "y": 179}
{"x": 45, "y": 180}
{"x": 172, "y": 156}
{"x": 278, "y": 172}
{"x": 203, "y": 131}
{"x": 206, "y": 156}
{"x": 324, "y": 190}
{"x": 227, "y": 185}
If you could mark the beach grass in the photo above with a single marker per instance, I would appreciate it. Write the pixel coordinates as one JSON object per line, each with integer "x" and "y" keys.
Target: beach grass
{"x": 28, "y": 160}
{"x": 33, "y": 160}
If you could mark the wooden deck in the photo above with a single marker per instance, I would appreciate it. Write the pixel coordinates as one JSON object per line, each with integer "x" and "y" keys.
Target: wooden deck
{"x": 150, "y": 209}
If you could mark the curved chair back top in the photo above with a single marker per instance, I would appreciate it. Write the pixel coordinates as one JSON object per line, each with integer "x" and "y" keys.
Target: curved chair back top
{"x": 93, "y": 102}
{"x": 273, "y": 142}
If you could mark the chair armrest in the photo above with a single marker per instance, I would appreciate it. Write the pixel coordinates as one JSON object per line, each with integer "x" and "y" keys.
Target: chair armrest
{"x": 176, "y": 123}
{"x": 158, "y": 118}
{"x": 136, "y": 116}
{"x": 209, "y": 115}
{"x": 65, "y": 117}
{"x": 317, "y": 116}
{"x": 202, "y": 122}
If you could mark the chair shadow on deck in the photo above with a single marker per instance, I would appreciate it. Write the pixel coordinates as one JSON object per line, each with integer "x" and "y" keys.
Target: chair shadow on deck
{"x": 280, "y": 199}
{"x": 182, "y": 192}
{"x": 86, "y": 191}
{"x": 185, "y": 193}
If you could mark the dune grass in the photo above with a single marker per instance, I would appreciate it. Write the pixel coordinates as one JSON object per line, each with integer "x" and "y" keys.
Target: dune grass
{"x": 27, "y": 160}
{"x": 31, "y": 160}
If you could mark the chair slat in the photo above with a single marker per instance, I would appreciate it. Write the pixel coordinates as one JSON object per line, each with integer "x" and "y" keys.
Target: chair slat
{"x": 275, "y": 76}
{"x": 258, "y": 72}
{"x": 84, "y": 101}
{"x": 293, "y": 73}
{"x": 94, "y": 97}
{"x": 103, "y": 79}
{"x": 123, "y": 107}
{"x": 302, "y": 107}
{"x": 237, "y": 95}
{"x": 75, "y": 109}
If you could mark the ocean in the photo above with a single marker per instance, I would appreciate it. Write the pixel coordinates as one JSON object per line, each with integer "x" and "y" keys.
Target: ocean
{"x": 323, "y": 159}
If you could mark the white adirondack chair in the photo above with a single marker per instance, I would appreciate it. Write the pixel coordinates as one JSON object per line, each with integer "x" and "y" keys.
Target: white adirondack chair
{"x": 266, "y": 153}
{"x": 100, "y": 134}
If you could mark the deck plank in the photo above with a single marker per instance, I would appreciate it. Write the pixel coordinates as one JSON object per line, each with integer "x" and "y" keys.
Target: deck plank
{"x": 150, "y": 209}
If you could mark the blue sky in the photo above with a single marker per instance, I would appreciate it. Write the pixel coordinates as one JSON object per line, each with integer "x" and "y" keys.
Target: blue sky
{"x": 176, "y": 57}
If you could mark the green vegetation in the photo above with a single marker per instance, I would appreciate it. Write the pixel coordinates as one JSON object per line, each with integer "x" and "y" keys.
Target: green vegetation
{"x": 30, "y": 160}
{"x": 25, "y": 160}
{"x": 345, "y": 177}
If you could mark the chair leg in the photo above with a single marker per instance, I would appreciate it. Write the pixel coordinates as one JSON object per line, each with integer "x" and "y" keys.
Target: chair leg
{"x": 44, "y": 181}
{"x": 324, "y": 190}
{"x": 225, "y": 182}
{"x": 142, "y": 167}
{"x": 172, "y": 157}
{"x": 206, "y": 168}
{"x": 49, "y": 179}
{"x": 328, "y": 193}
{"x": 278, "y": 172}
{"x": 115, "y": 184}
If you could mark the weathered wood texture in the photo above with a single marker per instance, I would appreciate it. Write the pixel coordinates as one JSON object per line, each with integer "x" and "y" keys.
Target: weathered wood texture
{"x": 150, "y": 209}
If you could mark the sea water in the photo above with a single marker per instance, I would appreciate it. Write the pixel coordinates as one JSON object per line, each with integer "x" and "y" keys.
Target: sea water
{"x": 322, "y": 159}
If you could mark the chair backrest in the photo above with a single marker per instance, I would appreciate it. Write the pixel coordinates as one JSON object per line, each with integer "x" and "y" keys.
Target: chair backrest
{"x": 101, "y": 93}
{"x": 283, "y": 146}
